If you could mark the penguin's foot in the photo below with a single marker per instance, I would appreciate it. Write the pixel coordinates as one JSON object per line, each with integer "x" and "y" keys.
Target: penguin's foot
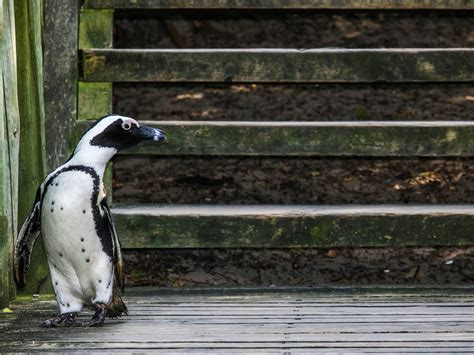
{"x": 99, "y": 316}
{"x": 63, "y": 320}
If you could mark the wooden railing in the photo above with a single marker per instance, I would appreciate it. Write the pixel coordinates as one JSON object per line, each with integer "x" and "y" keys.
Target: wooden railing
{"x": 90, "y": 85}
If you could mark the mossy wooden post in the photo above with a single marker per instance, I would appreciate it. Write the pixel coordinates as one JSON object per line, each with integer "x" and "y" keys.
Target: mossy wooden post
{"x": 28, "y": 18}
{"x": 9, "y": 135}
{"x": 55, "y": 108}
{"x": 95, "y": 99}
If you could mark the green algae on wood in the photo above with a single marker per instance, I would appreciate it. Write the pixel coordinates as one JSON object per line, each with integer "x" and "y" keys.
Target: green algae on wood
{"x": 28, "y": 16}
{"x": 153, "y": 226}
{"x": 95, "y": 29}
{"x": 94, "y": 100}
{"x": 279, "y": 65}
{"x": 377, "y": 138}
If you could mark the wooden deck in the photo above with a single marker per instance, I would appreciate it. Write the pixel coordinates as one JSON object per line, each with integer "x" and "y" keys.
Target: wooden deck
{"x": 377, "y": 320}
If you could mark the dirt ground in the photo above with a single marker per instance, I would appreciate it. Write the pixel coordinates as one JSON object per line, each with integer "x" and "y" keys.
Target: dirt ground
{"x": 295, "y": 181}
{"x": 295, "y": 29}
{"x": 214, "y": 180}
{"x": 258, "y": 102}
{"x": 297, "y": 267}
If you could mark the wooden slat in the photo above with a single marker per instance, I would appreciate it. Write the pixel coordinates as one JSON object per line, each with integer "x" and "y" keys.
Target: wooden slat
{"x": 375, "y": 138}
{"x": 283, "y": 4}
{"x": 95, "y": 31}
{"x": 187, "y": 226}
{"x": 279, "y": 65}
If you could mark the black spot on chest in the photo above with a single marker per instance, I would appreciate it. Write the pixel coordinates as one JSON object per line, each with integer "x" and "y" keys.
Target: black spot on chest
{"x": 101, "y": 222}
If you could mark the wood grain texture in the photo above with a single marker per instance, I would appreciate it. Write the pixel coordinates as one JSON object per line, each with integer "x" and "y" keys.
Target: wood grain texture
{"x": 10, "y": 142}
{"x": 60, "y": 41}
{"x": 6, "y": 236}
{"x": 283, "y": 4}
{"x": 402, "y": 319}
{"x": 95, "y": 31}
{"x": 28, "y": 26}
{"x": 60, "y": 77}
{"x": 188, "y": 226}
{"x": 279, "y": 65}
{"x": 375, "y": 138}
{"x": 31, "y": 105}
{"x": 94, "y": 100}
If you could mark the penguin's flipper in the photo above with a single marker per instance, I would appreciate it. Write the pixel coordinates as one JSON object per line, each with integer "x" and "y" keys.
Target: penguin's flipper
{"x": 118, "y": 261}
{"x": 26, "y": 239}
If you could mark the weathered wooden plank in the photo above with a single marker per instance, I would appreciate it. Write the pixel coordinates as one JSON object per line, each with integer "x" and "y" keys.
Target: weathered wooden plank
{"x": 60, "y": 77}
{"x": 376, "y": 138}
{"x": 466, "y": 346}
{"x": 304, "y": 319}
{"x": 10, "y": 141}
{"x": 95, "y": 29}
{"x": 169, "y": 337}
{"x": 31, "y": 105}
{"x": 153, "y": 226}
{"x": 12, "y": 112}
{"x": 256, "y": 332}
{"x": 283, "y": 4}
{"x": 315, "y": 138}
{"x": 279, "y": 65}
{"x": 94, "y": 100}
{"x": 308, "y": 310}
{"x": 360, "y": 294}
{"x": 152, "y": 327}
{"x": 5, "y": 191}
{"x": 28, "y": 18}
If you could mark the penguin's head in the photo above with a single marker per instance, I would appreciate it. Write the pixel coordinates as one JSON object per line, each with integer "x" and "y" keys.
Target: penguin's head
{"x": 119, "y": 132}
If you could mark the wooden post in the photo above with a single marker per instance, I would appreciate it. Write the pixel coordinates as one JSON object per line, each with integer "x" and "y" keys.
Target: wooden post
{"x": 61, "y": 74}
{"x": 9, "y": 135}
{"x": 95, "y": 99}
{"x": 28, "y": 15}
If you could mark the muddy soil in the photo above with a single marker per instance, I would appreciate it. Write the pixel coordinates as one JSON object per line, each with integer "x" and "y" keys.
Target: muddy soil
{"x": 247, "y": 267}
{"x": 295, "y": 29}
{"x": 293, "y": 181}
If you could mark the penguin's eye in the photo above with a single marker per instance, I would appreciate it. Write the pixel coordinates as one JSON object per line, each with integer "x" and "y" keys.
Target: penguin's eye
{"x": 126, "y": 126}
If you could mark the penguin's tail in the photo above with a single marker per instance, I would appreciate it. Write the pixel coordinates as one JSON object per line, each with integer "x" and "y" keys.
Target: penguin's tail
{"x": 116, "y": 308}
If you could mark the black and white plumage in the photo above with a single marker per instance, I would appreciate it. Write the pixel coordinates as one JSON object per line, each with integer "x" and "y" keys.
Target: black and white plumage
{"x": 79, "y": 236}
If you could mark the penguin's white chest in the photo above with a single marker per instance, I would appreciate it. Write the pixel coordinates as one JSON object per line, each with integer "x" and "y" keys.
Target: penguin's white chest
{"x": 79, "y": 266}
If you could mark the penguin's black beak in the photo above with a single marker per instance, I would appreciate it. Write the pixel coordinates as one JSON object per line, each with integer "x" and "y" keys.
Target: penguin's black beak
{"x": 149, "y": 133}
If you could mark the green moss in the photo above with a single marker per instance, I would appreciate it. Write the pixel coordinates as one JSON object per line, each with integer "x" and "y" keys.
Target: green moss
{"x": 94, "y": 100}
{"x": 95, "y": 29}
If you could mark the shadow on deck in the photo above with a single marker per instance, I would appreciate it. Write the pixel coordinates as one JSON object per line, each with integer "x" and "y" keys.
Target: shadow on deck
{"x": 372, "y": 319}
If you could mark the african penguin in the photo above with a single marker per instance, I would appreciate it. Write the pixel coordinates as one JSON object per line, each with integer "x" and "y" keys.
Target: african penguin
{"x": 80, "y": 240}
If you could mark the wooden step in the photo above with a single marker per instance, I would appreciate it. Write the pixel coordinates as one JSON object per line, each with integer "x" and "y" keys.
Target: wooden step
{"x": 279, "y": 65}
{"x": 283, "y": 4}
{"x": 347, "y": 138}
{"x": 211, "y": 226}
